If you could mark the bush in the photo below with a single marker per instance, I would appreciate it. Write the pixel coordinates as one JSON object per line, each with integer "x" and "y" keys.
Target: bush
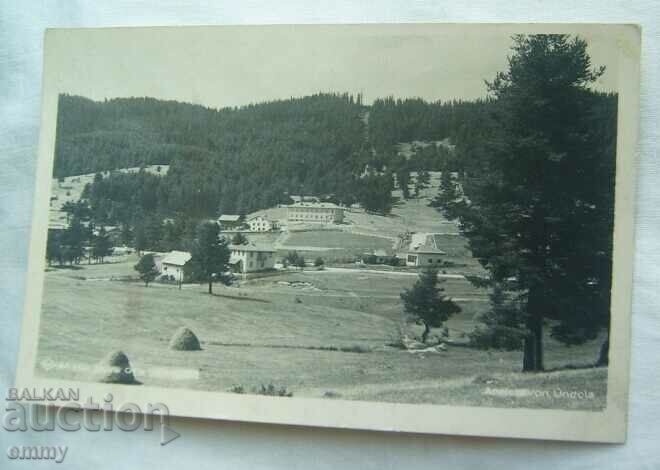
{"x": 318, "y": 262}
{"x": 355, "y": 349}
{"x": 393, "y": 261}
{"x": 272, "y": 391}
{"x": 504, "y": 338}
{"x": 291, "y": 259}
{"x": 370, "y": 259}
{"x": 267, "y": 390}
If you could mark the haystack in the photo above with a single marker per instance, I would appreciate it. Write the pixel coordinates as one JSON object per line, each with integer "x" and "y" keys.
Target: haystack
{"x": 116, "y": 368}
{"x": 185, "y": 340}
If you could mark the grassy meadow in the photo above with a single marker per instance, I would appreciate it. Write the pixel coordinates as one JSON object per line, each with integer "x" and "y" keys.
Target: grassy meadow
{"x": 329, "y": 333}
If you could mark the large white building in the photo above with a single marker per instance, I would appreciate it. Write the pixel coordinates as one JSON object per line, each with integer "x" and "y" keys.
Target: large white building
{"x": 251, "y": 258}
{"x": 317, "y": 212}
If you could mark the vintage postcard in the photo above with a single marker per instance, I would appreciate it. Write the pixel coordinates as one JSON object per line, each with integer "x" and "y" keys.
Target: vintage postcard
{"x": 406, "y": 227}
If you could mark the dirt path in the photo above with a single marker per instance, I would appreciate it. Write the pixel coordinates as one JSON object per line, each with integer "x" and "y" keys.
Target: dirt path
{"x": 394, "y": 273}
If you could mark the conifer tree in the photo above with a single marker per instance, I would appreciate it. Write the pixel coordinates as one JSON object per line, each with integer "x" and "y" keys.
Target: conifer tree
{"x": 539, "y": 199}
{"x": 210, "y": 256}
{"x": 147, "y": 269}
{"x": 102, "y": 245}
{"x": 427, "y": 303}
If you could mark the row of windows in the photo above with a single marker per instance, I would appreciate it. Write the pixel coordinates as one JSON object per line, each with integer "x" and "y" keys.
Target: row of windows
{"x": 261, "y": 264}
{"x": 311, "y": 216}
{"x": 312, "y": 209}
{"x": 251, "y": 253}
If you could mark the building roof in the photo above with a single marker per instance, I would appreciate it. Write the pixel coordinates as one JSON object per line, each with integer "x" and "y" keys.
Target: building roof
{"x": 304, "y": 198}
{"x": 381, "y": 253}
{"x": 177, "y": 258}
{"x": 259, "y": 216}
{"x": 316, "y": 205}
{"x": 253, "y": 247}
{"x": 229, "y": 218}
{"x": 426, "y": 249}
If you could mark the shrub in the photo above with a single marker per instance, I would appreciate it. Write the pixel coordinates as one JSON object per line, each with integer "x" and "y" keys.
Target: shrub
{"x": 497, "y": 337}
{"x": 318, "y": 262}
{"x": 355, "y": 349}
{"x": 291, "y": 259}
{"x": 271, "y": 390}
{"x": 268, "y": 390}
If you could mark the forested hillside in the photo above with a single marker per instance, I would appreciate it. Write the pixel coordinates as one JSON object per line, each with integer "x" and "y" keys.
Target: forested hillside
{"x": 405, "y": 120}
{"x": 242, "y": 159}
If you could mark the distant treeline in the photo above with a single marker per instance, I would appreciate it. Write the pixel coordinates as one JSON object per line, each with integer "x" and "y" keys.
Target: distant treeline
{"x": 404, "y": 120}
{"x": 242, "y": 159}
{"x": 232, "y": 160}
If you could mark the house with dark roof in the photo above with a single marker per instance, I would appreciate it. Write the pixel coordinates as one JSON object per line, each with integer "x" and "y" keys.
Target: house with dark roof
{"x": 230, "y": 221}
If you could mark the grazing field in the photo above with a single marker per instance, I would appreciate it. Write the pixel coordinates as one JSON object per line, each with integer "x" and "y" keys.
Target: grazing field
{"x": 335, "y": 240}
{"x": 326, "y": 333}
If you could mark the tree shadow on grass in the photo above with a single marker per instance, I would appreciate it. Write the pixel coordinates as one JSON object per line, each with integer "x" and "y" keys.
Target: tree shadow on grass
{"x": 592, "y": 365}
{"x": 236, "y": 297}
{"x": 66, "y": 267}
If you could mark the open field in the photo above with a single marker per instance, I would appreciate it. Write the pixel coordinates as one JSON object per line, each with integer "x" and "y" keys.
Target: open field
{"x": 333, "y": 244}
{"x": 317, "y": 333}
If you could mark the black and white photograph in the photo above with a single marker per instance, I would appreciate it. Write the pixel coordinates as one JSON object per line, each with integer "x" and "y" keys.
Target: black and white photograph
{"x": 433, "y": 220}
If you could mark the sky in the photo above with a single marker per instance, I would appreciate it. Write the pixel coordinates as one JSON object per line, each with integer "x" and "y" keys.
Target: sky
{"x": 233, "y": 66}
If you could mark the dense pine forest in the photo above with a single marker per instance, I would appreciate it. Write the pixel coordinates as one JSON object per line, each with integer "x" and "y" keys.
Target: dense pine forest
{"x": 241, "y": 159}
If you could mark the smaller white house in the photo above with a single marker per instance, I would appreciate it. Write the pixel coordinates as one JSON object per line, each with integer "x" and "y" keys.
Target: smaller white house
{"x": 423, "y": 255}
{"x": 251, "y": 258}
{"x": 172, "y": 264}
{"x": 259, "y": 223}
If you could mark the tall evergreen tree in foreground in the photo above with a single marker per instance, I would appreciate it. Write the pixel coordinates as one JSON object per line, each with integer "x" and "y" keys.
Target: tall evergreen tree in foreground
{"x": 539, "y": 200}
{"x": 210, "y": 256}
{"x": 427, "y": 303}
